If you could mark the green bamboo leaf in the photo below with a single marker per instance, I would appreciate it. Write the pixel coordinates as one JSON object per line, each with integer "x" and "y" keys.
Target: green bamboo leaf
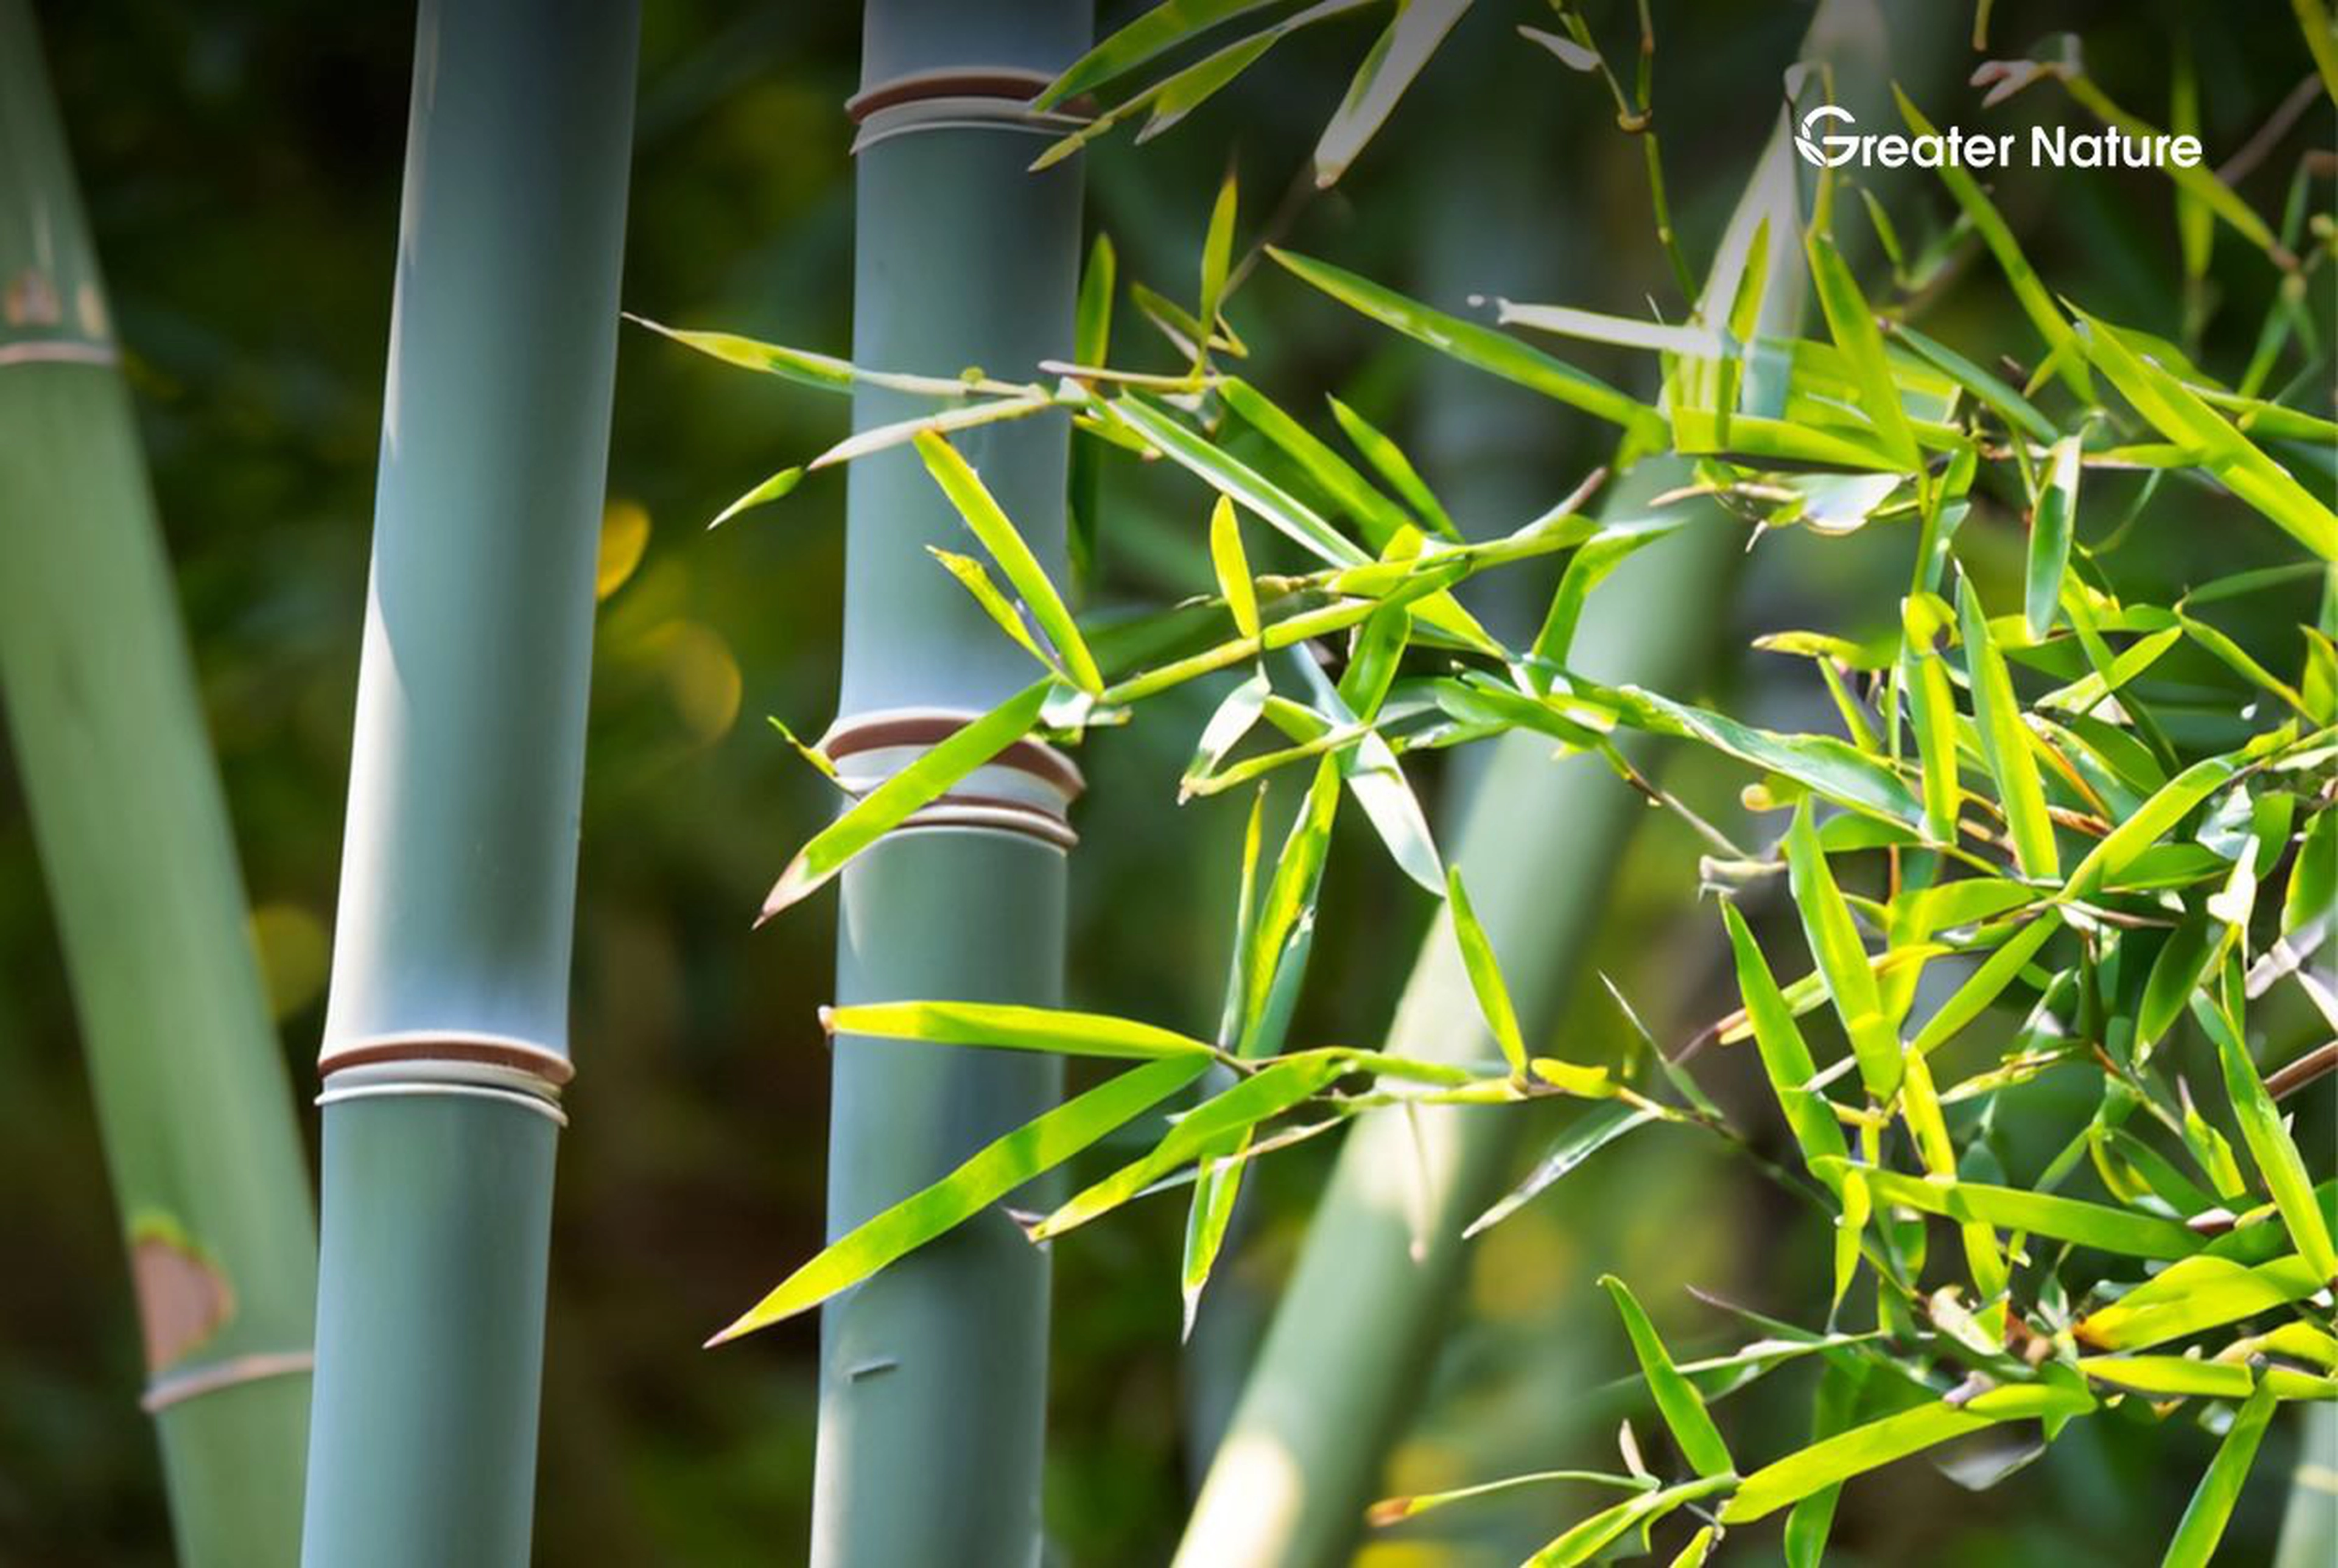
{"x": 1377, "y": 518}
{"x": 2180, "y": 415}
{"x": 1581, "y": 1140}
{"x": 1008, "y": 1027}
{"x": 1290, "y": 895}
{"x": 1271, "y": 1090}
{"x": 1586, "y": 1540}
{"x": 2017, "y": 412}
{"x": 1370, "y": 767}
{"x": 778, "y": 485}
{"x": 999, "y": 1169}
{"x": 2036, "y": 301}
{"x": 2204, "y": 1518}
{"x": 962, "y": 417}
{"x": 1152, "y": 33}
{"x": 2097, "y": 1225}
{"x": 2167, "y": 806}
{"x": 2170, "y": 1377}
{"x": 1395, "y": 1510}
{"x": 1232, "y": 719}
{"x": 1478, "y": 346}
{"x": 891, "y": 803}
{"x": 1851, "y": 322}
{"x": 1932, "y": 711}
{"x": 1590, "y": 566}
{"x": 972, "y": 576}
{"x": 1232, "y": 565}
{"x": 1984, "y": 985}
{"x": 1842, "y": 958}
{"x": 1217, "y": 261}
{"x": 1485, "y": 974}
{"x": 1282, "y": 511}
{"x": 1380, "y": 645}
{"x": 1880, "y": 1442}
{"x": 1091, "y": 346}
{"x": 1784, "y": 1055}
{"x": 1677, "y": 1400}
{"x": 824, "y": 371}
{"x": 2004, "y": 741}
{"x": 2051, "y": 520}
{"x": 972, "y": 498}
{"x": 1411, "y": 37}
{"x": 1623, "y": 331}
{"x": 2269, "y": 1142}
{"x": 1388, "y": 460}
{"x": 1831, "y": 768}
{"x": 2312, "y": 890}
{"x": 2194, "y": 1294}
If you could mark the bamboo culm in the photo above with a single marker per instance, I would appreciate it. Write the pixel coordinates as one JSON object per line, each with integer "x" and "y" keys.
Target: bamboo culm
{"x": 193, "y": 1102}
{"x": 933, "y": 1374}
{"x": 446, "y": 1036}
{"x": 1342, "y": 1359}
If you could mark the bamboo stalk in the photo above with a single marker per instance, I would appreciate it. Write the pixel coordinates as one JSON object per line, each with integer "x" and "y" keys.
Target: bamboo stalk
{"x": 1342, "y": 1361}
{"x": 192, "y": 1097}
{"x": 933, "y": 1374}
{"x": 446, "y": 1038}
{"x": 2309, "y": 1527}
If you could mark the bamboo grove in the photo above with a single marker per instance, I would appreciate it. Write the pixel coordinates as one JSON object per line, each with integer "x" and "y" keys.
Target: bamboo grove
{"x": 2046, "y": 782}
{"x": 2078, "y": 800}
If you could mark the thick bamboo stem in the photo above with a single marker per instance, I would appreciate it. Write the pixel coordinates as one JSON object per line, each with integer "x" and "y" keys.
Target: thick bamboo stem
{"x": 1341, "y": 1362}
{"x": 933, "y": 1374}
{"x": 107, "y": 730}
{"x": 446, "y": 1040}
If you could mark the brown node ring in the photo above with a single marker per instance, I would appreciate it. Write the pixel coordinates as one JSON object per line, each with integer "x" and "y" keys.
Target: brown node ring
{"x": 554, "y": 1069}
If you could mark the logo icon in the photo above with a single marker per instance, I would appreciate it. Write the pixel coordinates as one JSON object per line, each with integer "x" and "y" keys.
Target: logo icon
{"x": 1839, "y": 150}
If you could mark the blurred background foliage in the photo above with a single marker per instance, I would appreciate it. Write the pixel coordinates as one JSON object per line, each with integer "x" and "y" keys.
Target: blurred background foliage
{"x": 241, "y": 159}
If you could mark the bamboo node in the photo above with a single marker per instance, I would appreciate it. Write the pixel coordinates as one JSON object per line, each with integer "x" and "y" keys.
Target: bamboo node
{"x": 1028, "y": 788}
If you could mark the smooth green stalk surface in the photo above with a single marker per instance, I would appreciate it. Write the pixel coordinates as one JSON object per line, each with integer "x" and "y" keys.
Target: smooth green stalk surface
{"x": 934, "y": 1374}
{"x": 107, "y": 732}
{"x": 446, "y": 1040}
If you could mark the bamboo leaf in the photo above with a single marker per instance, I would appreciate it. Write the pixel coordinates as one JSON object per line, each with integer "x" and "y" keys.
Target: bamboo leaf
{"x": 1154, "y": 33}
{"x": 1271, "y": 1090}
{"x": 778, "y": 485}
{"x": 2050, "y": 525}
{"x": 1230, "y": 477}
{"x": 2032, "y": 294}
{"x": 1933, "y": 713}
{"x": 1851, "y": 322}
{"x": 1879, "y": 1443}
{"x": 1013, "y": 1027}
{"x": 1784, "y": 1055}
{"x": 2197, "y": 1293}
{"x": 824, "y": 371}
{"x": 1478, "y": 346}
{"x": 1234, "y": 568}
{"x": 1842, "y": 958}
{"x": 1395, "y": 1510}
{"x": 972, "y": 498}
{"x": 2184, "y": 418}
{"x": 2004, "y": 741}
{"x": 1228, "y": 724}
{"x": 1377, "y": 518}
{"x": 2017, "y": 412}
{"x": 1484, "y": 975}
{"x": 1388, "y": 459}
{"x": 2211, "y": 1507}
{"x": 2167, "y": 806}
{"x": 1412, "y": 35}
{"x": 1677, "y": 1400}
{"x": 972, "y": 576}
{"x": 891, "y": 803}
{"x": 1091, "y": 344}
{"x": 1984, "y": 985}
{"x": 1586, "y": 1137}
{"x": 1834, "y": 769}
{"x": 1586, "y": 1541}
{"x": 990, "y": 1176}
{"x": 1217, "y": 260}
{"x": 2170, "y": 1377}
{"x": 1623, "y": 331}
{"x": 2269, "y": 1142}
{"x": 1589, "y": 566}
{"x": 2095, "y": 1225}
